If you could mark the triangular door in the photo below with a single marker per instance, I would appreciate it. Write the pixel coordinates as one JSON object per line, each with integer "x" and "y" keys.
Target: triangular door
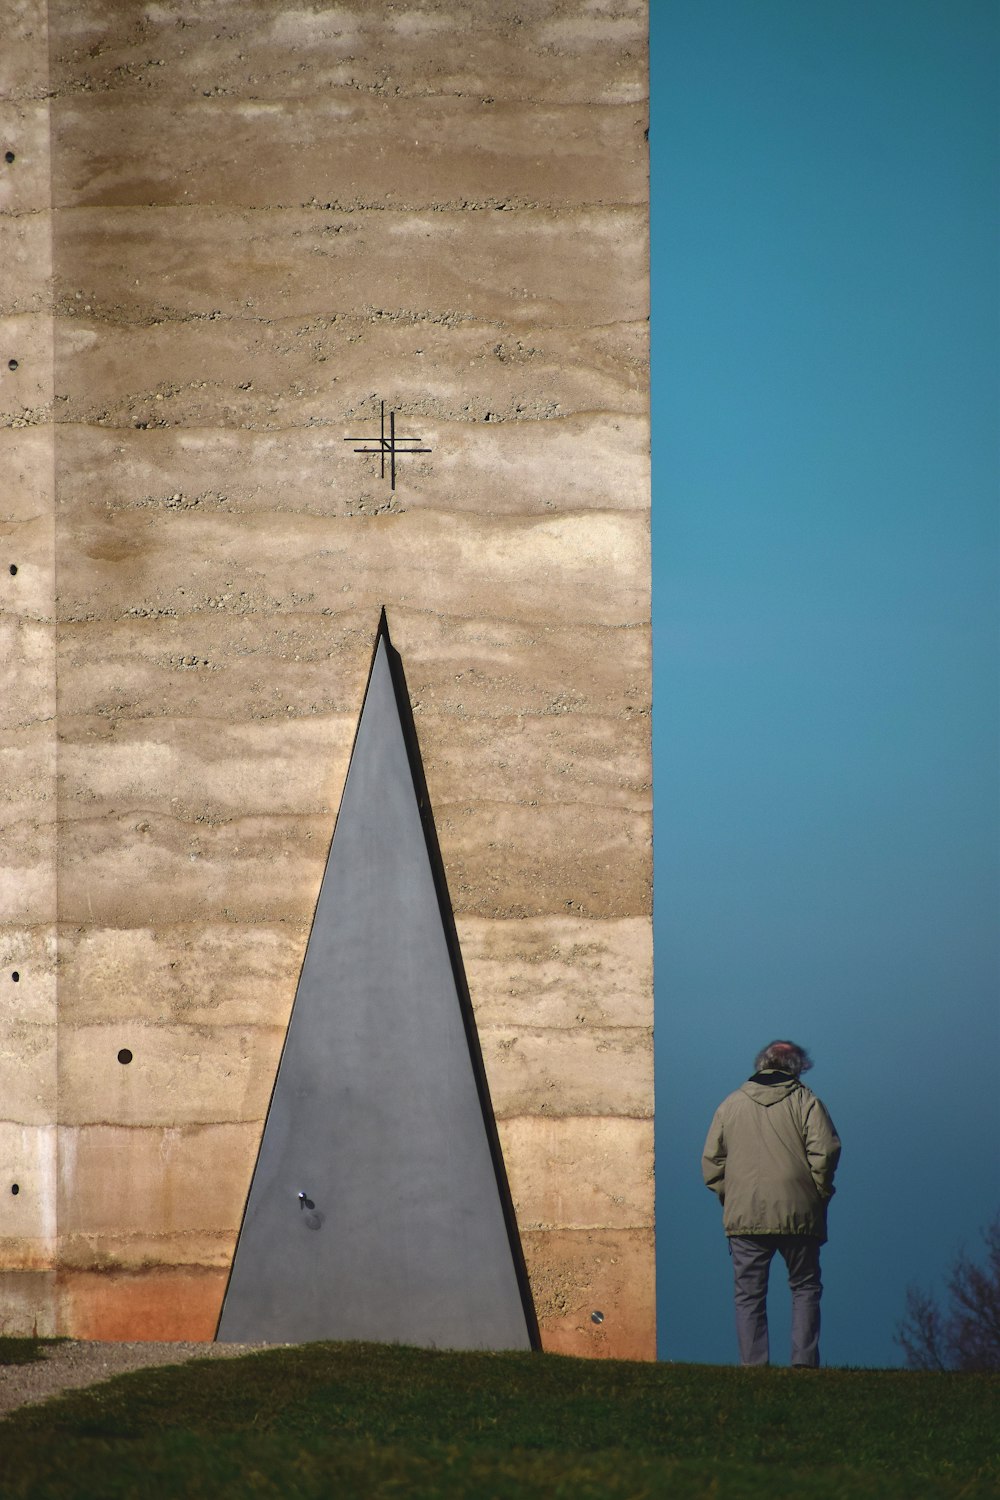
{"x": 379, "y": 1206}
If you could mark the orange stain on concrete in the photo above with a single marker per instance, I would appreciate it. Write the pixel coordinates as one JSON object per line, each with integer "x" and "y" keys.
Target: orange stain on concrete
{"x": 154, "y": 1306}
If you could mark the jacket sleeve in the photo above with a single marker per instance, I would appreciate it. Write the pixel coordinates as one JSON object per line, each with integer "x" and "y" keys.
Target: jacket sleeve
{"x": 713, "y": 1161}
{"x": 822, "y": 1147}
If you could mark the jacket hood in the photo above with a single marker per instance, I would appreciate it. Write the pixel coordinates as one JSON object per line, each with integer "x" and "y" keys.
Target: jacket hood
{"x": 769, "y": 1093}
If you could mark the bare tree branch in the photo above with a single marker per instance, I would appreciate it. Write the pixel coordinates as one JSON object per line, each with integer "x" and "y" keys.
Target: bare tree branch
{"x": 921, "y": 1332}
{"x": 967, "y": 1335}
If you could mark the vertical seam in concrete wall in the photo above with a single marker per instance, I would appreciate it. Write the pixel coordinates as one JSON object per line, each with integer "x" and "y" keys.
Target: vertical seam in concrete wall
{"x": 28, "y": 1146}
{"x": 54, "y": 223}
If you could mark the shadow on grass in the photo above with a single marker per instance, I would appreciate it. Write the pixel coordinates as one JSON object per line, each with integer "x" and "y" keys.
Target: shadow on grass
{"x": 379, "y": 1420}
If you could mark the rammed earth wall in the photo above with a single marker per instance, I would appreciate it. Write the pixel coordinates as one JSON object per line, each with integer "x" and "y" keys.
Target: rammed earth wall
{"x": 228, "y": 232}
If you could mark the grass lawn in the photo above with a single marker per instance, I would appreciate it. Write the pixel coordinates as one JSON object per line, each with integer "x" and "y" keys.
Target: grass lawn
{"x": 366, "y": 1420}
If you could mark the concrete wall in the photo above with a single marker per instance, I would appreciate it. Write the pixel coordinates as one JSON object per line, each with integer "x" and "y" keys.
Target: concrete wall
{"x": 230, "y": 230}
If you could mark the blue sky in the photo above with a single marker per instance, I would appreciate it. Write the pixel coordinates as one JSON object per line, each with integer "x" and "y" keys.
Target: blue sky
{"x": 826, "y": 554}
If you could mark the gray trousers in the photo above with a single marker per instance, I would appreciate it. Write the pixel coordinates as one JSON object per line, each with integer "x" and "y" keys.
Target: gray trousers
{"x": 752, "y": 1255}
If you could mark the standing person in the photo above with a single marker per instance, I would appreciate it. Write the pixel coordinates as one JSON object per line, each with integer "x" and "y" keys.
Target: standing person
{"x": 770, "y": 1156}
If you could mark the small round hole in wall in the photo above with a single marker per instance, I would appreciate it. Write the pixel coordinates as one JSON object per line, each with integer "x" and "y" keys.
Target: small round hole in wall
{"x": 16, "y": 977}
{"x": 13, "y": 570}
{"x": 8, "y": 157}
{"x": 15, "y": 1188}
{"x": 124, "y": 1055}
{"x": 12, "y": 364}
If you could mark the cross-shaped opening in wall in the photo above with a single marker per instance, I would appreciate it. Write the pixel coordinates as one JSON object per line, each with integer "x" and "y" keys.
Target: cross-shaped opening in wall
{"x": 388, "y": 445}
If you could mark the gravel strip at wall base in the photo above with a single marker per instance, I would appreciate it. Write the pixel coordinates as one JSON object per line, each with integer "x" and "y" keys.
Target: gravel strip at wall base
{"x": 81, "y": 1362}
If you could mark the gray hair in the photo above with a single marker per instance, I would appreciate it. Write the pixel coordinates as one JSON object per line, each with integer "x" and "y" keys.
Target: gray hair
{"x": 787, "y": 1056}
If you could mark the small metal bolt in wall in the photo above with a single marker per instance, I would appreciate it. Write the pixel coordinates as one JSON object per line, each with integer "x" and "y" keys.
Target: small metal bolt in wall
{"x": 597, "y": 1317}
{"x": 124, "y": 1055}
{"x": 12, "y": 364}
{"x": 315, "y": 1217}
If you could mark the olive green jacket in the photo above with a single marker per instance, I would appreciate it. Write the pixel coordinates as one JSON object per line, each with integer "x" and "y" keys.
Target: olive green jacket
{"x": 770, "y": 1156}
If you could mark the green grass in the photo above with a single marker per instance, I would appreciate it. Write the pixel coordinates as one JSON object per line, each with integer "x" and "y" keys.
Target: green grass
{"x": 363, "y": 1420}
